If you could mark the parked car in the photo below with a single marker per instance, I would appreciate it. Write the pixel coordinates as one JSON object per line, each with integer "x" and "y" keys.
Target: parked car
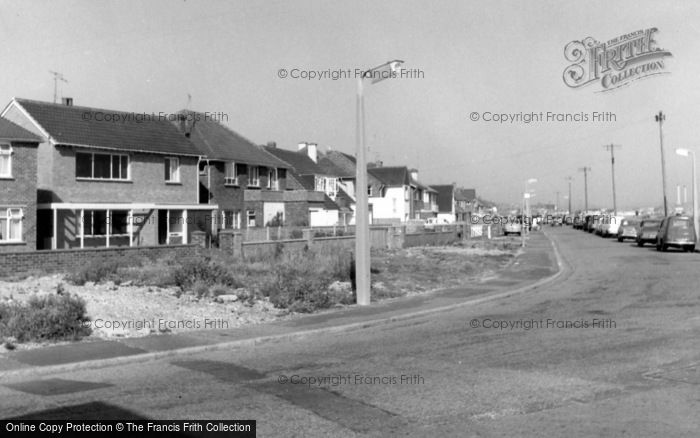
{"x": 513, "y": 226}
{"x": 432, "y": 222}
{"x": 628, "y": 229}
{"x": 677, "y": 232}
{"x": 609, "y": 225}
{"x": 557, "y": 221}
{"x": 648, "y": 230}
{"x": 588, "y": 224}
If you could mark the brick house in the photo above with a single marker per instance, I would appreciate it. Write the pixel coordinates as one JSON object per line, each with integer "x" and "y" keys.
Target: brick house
{"x": 246, "y": 183}
{"x": 331, "y": 206}
{"x": 454, "y": 204}
{"x": 108, "y": 178}
{"x": 18, "y": 154}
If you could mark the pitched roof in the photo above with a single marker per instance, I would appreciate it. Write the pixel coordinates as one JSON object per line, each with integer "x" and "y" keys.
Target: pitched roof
{"x": 341, "y": 164}
{"x": 108, "y": 129}
{"x": 299, "y": 162}
{"x": 465, "y": 194}
{"x": 444, "y": 197}
{"x": 391, "y": 176}
{"x": 218, "y": 142}
{"x": 11, "y": 131}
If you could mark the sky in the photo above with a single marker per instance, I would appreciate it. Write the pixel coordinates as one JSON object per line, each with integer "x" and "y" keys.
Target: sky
{"x": 473, "y": 57}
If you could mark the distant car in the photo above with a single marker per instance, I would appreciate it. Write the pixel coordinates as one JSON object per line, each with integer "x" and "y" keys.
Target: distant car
{"x": 557, "y": 221}
{"x": 677, "y": 232}
{"x": 512, "y": 226}
{"x": 609, "y": 225}
{"x": 627, "y": 230}
{"x": 648, "y": 229}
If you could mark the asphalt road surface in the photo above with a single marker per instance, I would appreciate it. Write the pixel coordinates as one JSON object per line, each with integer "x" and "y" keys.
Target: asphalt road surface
{"x": 611, "y": 348}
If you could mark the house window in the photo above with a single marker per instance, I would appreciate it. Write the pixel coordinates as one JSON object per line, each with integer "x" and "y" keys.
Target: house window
{"x": 5, "y": 160}
{"x": 95, "y": 223}
{"x": 231, "y": 174}
{"x": 405, "y": 194}
{"x": 118, "y": 223}
{"x": 253, "y": 176}
{"x": 370, "y": 191}
{"x": 101, "y": 166}
{"x": 172, "y": 170}
{"x": 231, "y": 219}
{"x": 250, "y": 215}
{"x": 11, "y": 224}
{"x": 272, "y": 181}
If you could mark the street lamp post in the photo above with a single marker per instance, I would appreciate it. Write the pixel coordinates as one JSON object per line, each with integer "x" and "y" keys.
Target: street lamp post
{"x": 526, "y": 210}
{"x": 362, "y": 245}
{"x": 660, "y": 119}
{"x": 685, "y": 153}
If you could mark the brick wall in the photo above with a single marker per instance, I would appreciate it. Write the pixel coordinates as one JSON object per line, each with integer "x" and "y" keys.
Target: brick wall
{"x": 147, "y": 181}
{"x": 69, "y": 259}
{"x": 20, "y": 191}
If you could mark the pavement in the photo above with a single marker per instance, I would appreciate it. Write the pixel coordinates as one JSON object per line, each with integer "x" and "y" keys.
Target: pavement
{"x": 539, "y": 264}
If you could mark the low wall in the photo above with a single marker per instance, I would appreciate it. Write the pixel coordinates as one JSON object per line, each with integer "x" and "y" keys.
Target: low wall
{"x": 63, "y": 260}
{"x": 266, "y": 249}
{"x": 430, "y": 239}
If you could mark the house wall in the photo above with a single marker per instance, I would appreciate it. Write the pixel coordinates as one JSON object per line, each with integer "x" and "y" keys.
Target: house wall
{"x": 20, "y": 191}
{"x": 383, "y": 208}
{"x": 229, "y": 197}
{"x": 146, "y": 184}
{"x": 44, "y": 155}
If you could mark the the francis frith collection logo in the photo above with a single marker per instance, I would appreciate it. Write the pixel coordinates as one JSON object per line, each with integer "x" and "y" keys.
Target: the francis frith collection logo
{"x": 614, "y": 63}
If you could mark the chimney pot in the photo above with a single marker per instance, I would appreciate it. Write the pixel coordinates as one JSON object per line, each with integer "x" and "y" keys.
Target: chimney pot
{"x": 67, "y": 101}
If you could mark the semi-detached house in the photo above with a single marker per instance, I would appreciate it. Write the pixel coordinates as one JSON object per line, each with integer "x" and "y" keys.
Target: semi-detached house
{"x": 106, "y": 178}
{"x": 18, "y": 149}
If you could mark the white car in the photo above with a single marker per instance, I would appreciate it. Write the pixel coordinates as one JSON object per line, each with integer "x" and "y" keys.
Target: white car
{"x": 609, "y": 225}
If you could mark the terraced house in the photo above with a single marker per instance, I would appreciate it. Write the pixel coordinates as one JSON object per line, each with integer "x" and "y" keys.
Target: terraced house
{"x": 106, "y": 179}
{"x": 18, "y": 151}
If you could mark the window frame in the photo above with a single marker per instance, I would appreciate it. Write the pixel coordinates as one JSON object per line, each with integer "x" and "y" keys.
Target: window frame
{"x": 111, "y": 167}
{"x": 9, "y": 217}
{"x": 272, "y": 179}
{"x": 253, "y": 182}
{"x": 248, "y": 215}
{"x": 230, "y": 180}
{"x": 174, "y": 176}
{"x": 8, "y": 155}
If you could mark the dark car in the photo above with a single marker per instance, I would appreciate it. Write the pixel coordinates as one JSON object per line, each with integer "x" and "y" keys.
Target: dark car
{"x": 677, "y": 232}
{"x": 648, "y": 229}
{"x": 588, "y": 223}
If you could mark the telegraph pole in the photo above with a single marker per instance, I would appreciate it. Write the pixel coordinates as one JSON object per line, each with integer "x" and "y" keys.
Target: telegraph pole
{"x": 556, "y": 206}
{"x": 660, "y": 118}
{"x": 585, "y": 171}
{"x": 611, "y": 147}
{"x": 568, "y": 178}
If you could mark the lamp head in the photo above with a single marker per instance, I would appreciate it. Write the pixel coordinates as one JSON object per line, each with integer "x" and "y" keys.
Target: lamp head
{"x": 683, "y": 152}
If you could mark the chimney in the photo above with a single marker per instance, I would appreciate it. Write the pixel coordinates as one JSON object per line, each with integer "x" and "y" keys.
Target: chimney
{"x": 272, "y": 144}
{"x": 414, "y": 174}
{"x": 301, "y": 146}
{"x": 312, "y": 151}
{"x": 67, "y": 101}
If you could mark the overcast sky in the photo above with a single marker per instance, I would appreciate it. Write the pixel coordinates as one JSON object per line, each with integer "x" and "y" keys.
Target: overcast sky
{"x": 475, "y": 56}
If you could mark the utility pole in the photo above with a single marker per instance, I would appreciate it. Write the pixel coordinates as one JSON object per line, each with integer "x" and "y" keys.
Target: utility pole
{"x": 585, "y": 171}
{"x": 569, "y": 179}
{"x": 660, "y": 118}
{"x": 556, "y": 206}
{"x": 56, "y": 77}
{"x": 611, "y": 147}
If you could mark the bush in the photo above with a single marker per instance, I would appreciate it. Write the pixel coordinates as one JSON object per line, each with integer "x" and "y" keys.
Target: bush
{"x": 204, "y": 271}
{"x": 100, "y": 270}
{"x": 45, "y": 318}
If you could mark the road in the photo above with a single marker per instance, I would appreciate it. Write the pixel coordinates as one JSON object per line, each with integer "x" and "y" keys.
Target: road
{"x": 611, "y": 348}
